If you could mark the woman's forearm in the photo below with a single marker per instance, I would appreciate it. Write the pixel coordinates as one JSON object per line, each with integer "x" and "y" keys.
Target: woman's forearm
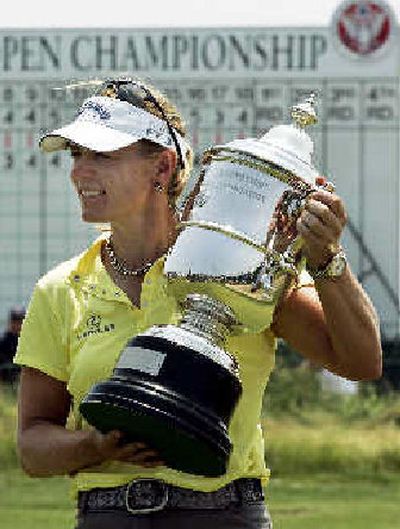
{"x": 48, "y": 449}
{"x": 348, "y": 326}
{"x": 352, "y": 325}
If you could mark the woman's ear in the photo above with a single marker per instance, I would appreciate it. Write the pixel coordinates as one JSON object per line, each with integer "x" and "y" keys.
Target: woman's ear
{"x": 165, "y": 166}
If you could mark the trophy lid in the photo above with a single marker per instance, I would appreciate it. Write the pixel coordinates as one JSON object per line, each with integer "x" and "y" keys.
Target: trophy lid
{"x": 288, "y": 146}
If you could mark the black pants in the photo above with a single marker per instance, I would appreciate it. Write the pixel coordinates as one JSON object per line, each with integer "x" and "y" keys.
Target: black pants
{"x": 254, "y": 516}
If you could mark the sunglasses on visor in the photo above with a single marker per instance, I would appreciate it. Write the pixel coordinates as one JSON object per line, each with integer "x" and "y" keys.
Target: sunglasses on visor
{"x": 137, "y": 94}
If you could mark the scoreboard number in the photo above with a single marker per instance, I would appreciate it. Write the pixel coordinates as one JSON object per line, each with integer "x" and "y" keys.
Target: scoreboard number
{"x": 8, "y": 161}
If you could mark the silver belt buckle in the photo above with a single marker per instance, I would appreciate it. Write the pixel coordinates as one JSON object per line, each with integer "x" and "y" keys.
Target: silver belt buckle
{"x": 145, "y": 492}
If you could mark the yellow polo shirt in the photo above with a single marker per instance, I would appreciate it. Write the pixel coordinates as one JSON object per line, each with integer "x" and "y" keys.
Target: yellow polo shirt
{"x": 78, "y": 322}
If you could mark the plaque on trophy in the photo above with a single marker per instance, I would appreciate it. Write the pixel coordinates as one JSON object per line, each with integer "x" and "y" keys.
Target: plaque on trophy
{"x": 175, "y": 387}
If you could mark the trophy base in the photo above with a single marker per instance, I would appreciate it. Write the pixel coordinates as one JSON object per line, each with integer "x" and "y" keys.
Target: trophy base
{"x": 187, "y": 436}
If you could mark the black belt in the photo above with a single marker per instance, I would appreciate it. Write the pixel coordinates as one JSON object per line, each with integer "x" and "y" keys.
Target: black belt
{"x": 148, "y": 495}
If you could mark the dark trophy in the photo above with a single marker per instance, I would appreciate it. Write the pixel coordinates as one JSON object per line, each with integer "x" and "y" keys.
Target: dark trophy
{"x": 176, "y": 387}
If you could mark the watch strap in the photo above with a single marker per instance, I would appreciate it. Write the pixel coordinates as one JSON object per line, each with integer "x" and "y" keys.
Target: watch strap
{"x": 330, "y": 270}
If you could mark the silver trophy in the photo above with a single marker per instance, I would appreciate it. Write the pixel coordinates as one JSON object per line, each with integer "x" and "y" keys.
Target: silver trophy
{"x": 176, "y": 387}
{"x": 240, "y": 244}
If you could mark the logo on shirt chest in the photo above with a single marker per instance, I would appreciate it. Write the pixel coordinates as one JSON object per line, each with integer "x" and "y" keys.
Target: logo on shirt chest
{"x": 95, "y": 325}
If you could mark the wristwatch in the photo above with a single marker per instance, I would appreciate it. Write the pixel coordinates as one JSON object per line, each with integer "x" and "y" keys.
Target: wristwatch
{"x": 333, "y": 270}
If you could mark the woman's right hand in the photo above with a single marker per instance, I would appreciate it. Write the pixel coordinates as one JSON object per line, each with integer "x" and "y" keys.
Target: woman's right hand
{"x": 47, "y": 448}
{"x": 111, "y": 446}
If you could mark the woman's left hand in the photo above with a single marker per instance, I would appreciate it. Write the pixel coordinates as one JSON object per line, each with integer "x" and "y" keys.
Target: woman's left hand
{"x": 321, "y": 225}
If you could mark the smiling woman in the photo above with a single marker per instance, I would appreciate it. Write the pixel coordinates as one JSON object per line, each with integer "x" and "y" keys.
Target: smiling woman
{"x": 115, "y": 185}
{"x": 130, "y": 162}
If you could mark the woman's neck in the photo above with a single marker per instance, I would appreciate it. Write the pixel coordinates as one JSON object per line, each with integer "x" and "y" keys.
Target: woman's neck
{"x": 143, "y": 241}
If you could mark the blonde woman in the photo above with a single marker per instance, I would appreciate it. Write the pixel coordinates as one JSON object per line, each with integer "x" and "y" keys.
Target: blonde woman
{"x": 130, "y": 161}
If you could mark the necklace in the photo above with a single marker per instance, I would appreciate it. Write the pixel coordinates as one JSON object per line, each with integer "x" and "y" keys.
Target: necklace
{"x": 120, "y": 267}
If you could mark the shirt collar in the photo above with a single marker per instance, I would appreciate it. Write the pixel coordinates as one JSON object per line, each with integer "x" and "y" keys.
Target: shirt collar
{"x": 90, "y": 275}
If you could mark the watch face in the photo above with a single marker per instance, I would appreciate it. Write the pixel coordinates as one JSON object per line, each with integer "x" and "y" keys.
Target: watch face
{"x": 337, "y": 266}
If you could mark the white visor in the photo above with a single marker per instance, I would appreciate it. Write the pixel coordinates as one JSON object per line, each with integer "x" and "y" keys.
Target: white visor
{"x": 105, "y": 124}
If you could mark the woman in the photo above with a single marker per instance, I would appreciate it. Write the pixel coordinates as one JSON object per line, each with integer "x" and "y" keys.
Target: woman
{"x": 130, "y": 160}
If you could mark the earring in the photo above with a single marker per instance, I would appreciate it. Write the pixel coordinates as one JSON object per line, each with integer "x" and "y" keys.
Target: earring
{"x": 158, "y": 187}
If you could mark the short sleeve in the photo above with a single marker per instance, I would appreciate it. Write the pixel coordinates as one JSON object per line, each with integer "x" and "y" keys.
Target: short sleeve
{"x": 41, "y": 344}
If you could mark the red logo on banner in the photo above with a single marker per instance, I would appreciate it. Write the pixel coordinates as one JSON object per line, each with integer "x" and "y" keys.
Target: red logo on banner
{"x": 363, "y": 27}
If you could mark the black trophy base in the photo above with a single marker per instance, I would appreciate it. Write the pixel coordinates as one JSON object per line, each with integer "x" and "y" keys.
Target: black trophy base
{"x": 186, "y": 437}
{"x": 171, "y": 397}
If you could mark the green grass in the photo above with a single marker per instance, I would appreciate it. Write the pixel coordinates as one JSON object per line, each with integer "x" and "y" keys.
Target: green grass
{"x": 321, "y": 443}
{"x": 34, "y": 503}
{"x": 316, "y": 502}
{"x": 335, "y": 463}
{"x": 331, "y": 502}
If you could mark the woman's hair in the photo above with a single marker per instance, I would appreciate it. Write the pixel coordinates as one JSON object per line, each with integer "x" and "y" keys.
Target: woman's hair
{"x": 147, "y": 97}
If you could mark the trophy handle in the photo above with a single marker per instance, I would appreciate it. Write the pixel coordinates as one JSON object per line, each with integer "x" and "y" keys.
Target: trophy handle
{"x": 283, "y": 244}
{"x": 185, "y": 207}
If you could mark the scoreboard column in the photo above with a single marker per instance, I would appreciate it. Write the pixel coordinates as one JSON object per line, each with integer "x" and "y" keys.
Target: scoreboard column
{"x": 9, "y": 196}
{"x": 380, "y": 189}
{"x": 29, "y": 174}
{"x": 343, "y": 154}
